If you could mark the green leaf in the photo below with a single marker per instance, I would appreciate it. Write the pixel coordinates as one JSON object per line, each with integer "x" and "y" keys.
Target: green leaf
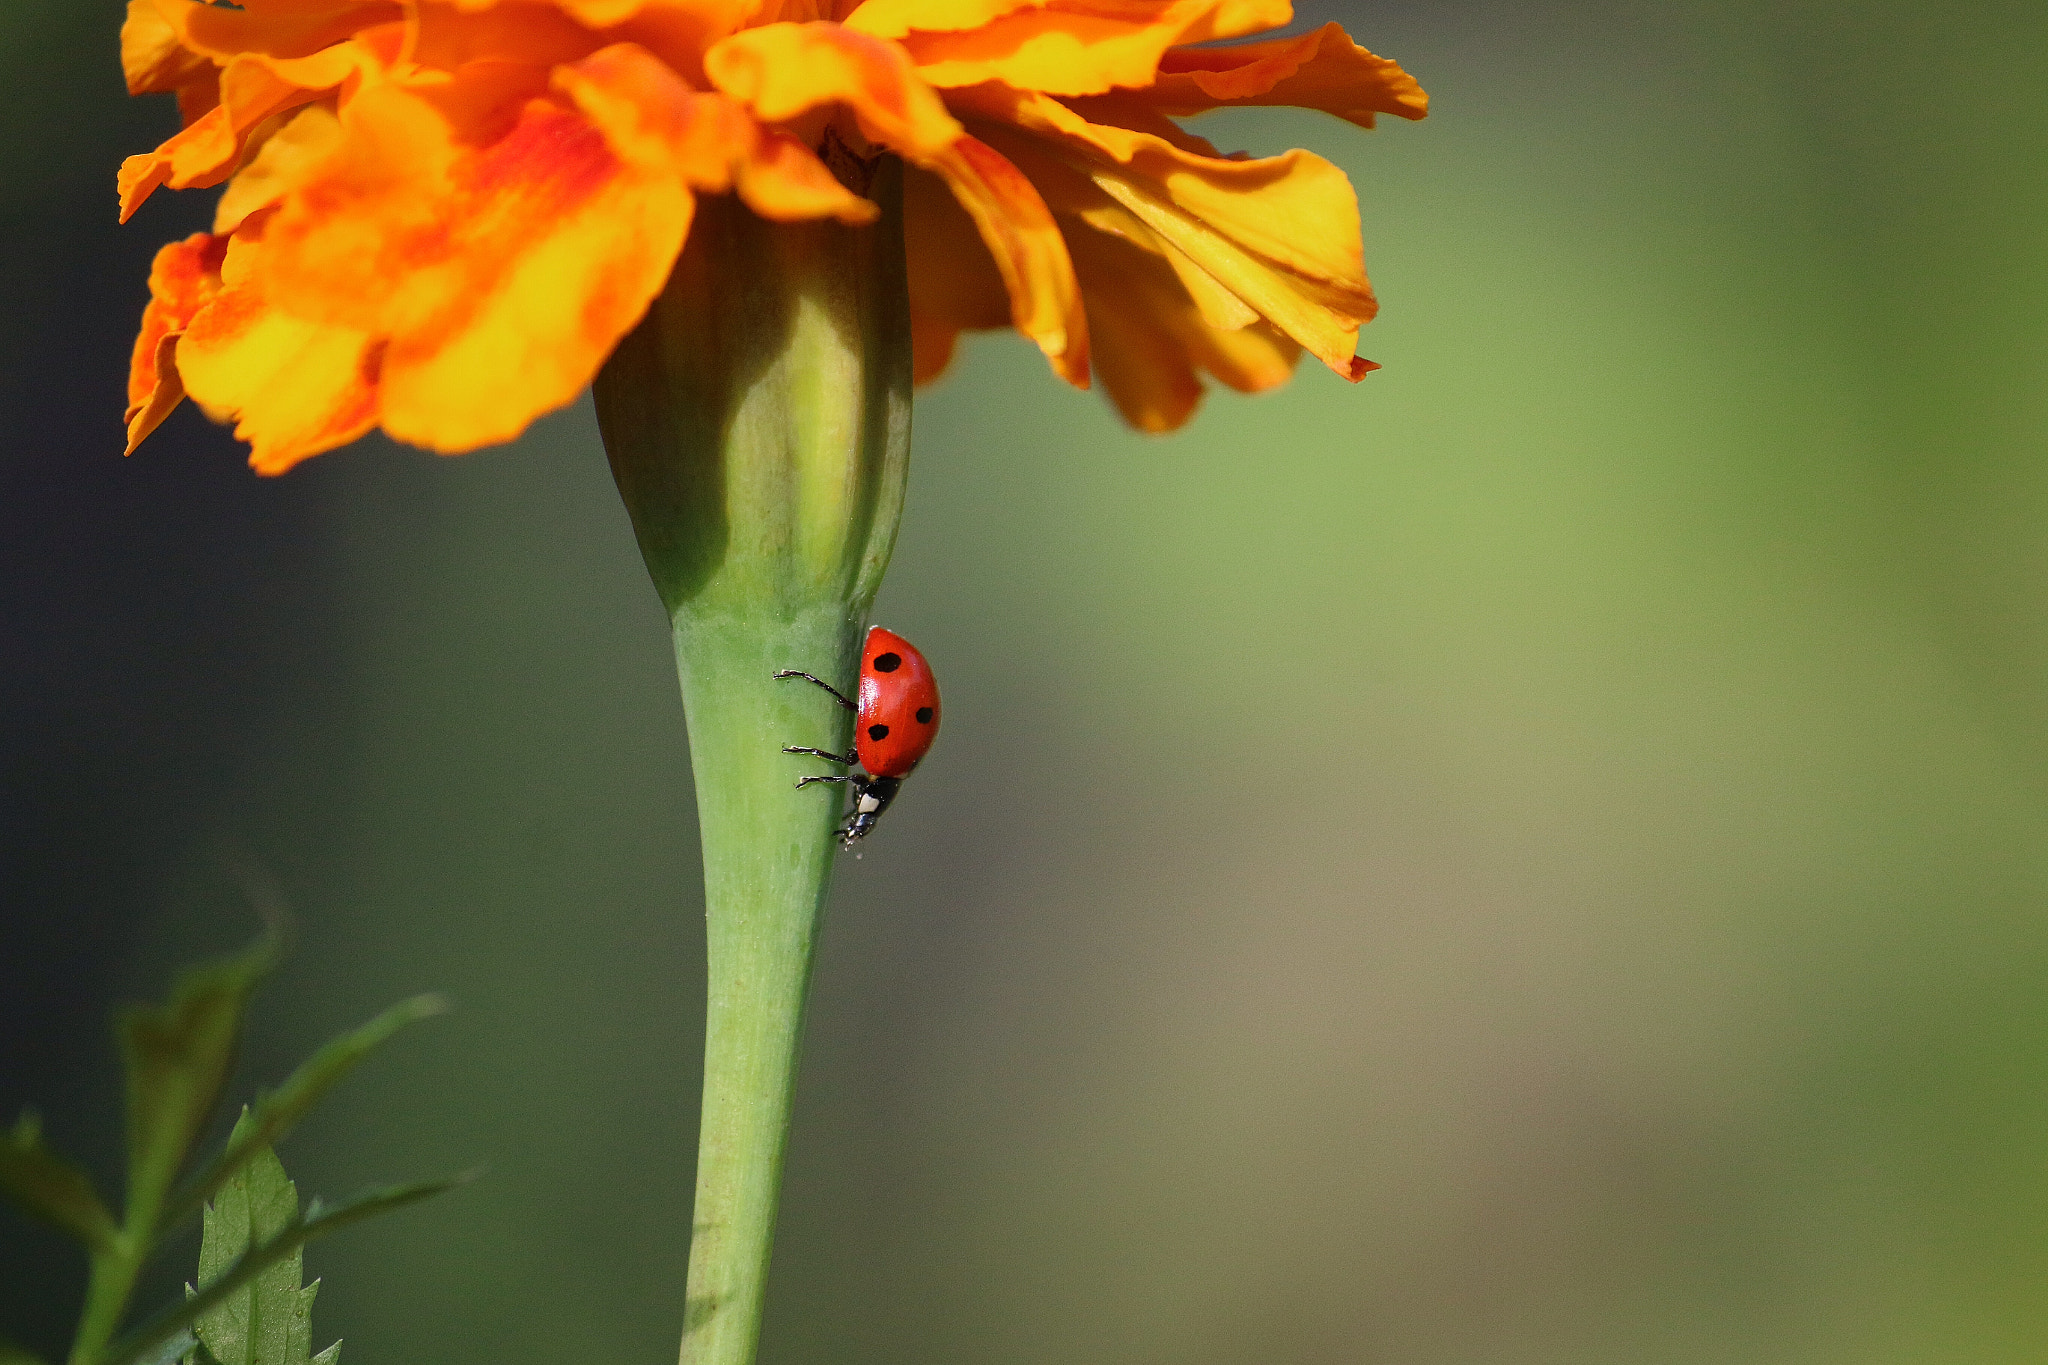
{"x": 177, "y": 1057}
{"x": 261, "y": 1322}
{"x": 276, "y": 1113}
{"x": 13, "y": 1353}
{"x": 53, "y": 1188}
{"x": 316, "y": 1221}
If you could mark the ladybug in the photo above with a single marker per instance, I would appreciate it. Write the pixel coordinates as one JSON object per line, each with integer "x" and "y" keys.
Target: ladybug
{"x": 895, "y": 722}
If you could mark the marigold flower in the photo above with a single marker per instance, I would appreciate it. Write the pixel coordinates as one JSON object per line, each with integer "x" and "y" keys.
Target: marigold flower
{"x": 440, "y": 216}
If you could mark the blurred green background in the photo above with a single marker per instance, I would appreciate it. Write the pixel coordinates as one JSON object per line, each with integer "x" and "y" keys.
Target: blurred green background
{"x": 1535, "y": 858}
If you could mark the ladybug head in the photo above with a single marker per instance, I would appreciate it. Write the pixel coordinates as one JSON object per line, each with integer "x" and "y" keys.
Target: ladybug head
{"x": 871, "y": 796}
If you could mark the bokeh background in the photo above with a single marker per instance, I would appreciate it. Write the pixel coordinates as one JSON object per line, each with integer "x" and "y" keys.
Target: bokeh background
{"x": 1536, "y": 858}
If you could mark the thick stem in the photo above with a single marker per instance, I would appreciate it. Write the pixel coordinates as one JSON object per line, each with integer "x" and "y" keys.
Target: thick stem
{"x": 758, "y": 424}
{"x": 768, "y": 852}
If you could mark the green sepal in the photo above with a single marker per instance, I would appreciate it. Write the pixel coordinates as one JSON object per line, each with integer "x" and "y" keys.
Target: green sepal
{"x": 276, "y": 1112}
{"x": 53, "y": 1188}
{"x": 317, "y": 1221}
{"x": 178, "y": 1057}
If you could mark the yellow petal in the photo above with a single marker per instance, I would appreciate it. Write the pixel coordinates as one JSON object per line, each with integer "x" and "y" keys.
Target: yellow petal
{"x": 1082, "y": 47}
{"x": 1029, "y": 251}
{"x": 286, "y": 160}
{"x": 293, "y": 387}
{"x": 273, "y": 28}
{"x": 492, "y": 235}
{"x": 253, "y": 89}
{"x": 1280, "y": 233}
{"x": 1322, "y": 70}
{"x": 662, "y": 127}
{"x": 1152, "y": 344}
{"x": 784, "y": 71}
{"x": 184, "y": 277}
{"x": 152, "y": 58}
{"x": 954, "y": 283}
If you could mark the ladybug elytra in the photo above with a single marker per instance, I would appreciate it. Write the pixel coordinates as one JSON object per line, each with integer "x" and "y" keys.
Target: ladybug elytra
{"x": 895, "y": 721}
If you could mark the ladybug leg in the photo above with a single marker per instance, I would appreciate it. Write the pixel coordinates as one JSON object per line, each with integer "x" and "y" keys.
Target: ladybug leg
{"x": 803, "y": 782}
{"x": 848, "y": 759}
{"x": 810, "y": 677}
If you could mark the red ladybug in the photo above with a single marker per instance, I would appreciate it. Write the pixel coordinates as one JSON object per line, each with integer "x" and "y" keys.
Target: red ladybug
{"x": 895, "y": 722}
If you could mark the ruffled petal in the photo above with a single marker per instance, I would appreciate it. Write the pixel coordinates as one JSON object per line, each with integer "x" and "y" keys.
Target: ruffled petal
{"x": 183, "y": 279}
{"x": 287, "y": 159}
{"x": 662, "y": 127}
{"x": 152, "y": 58}
{"x": 1152, "y": 344}
{"x": 785, "y": 71}
{"x": 448, "y": 37}
{"x": 1045, "y": 298}
{"x": 1322, "y": 70}
{"x": 1279, "y": 233}
{"x": 954, "y": 283}
{"x": 1220, "y": 18}
{"x": 895, "y": 18}
{"x": 273, "y": 28}
{"x": 253, "y": 89}
{"x": 292, "y": 386}
{"x": 1078, "y": 47}
{"x": 489, "y": 232}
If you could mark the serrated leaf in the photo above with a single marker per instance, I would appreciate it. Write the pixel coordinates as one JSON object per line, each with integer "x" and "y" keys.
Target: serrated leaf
{"x": 276, "y": 1113}
{"x": 259, "y": 1323}
{"x": 177, "y": 1058}
{"x": 330, "y": 1356}
{"x": 316, "y": 1221}
{"x": 54, "y": 1188}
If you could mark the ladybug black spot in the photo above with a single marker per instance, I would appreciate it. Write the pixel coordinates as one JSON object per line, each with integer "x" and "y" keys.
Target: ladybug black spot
{"x": 924, "y": 715}
{"x": 878, "y": 732}
{"x": 888, "y": 663}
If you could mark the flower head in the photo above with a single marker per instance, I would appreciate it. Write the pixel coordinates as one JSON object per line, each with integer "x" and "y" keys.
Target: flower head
{"x": 440, "y": 216}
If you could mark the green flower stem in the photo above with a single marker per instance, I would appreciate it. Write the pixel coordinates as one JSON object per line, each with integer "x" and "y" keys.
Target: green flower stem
{"x": 106, "y": 1298}
{"x": 758, "y": 423}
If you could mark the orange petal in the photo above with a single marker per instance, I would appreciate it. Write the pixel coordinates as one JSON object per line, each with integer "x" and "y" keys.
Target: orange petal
{"x": 253, "y": 88}
{"x": 1322, "y": 70}
{"x": 1220, "y": 18}
{"x": 286, "y": 160}
{"x": 662, "y": 127}
{"x": 1280, "y": 233}
{"x": 1045, "y": 298}
{"x": 895, "y": 18}
{"x": 152, "y": 58}
{"x": 446, "y": 37}
{"x": 183, "y": 278}
{"x": 1080, "y": 47}
{"x": 784, "y": 71}
{"x": 784, "y": 180}
{"x": 954, "y": 283}
{"x": 293, "y": 387}
{"x": 274, "y": 28}
{"x": 492, "y": 234}
{"x": 1151, "y": 343}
